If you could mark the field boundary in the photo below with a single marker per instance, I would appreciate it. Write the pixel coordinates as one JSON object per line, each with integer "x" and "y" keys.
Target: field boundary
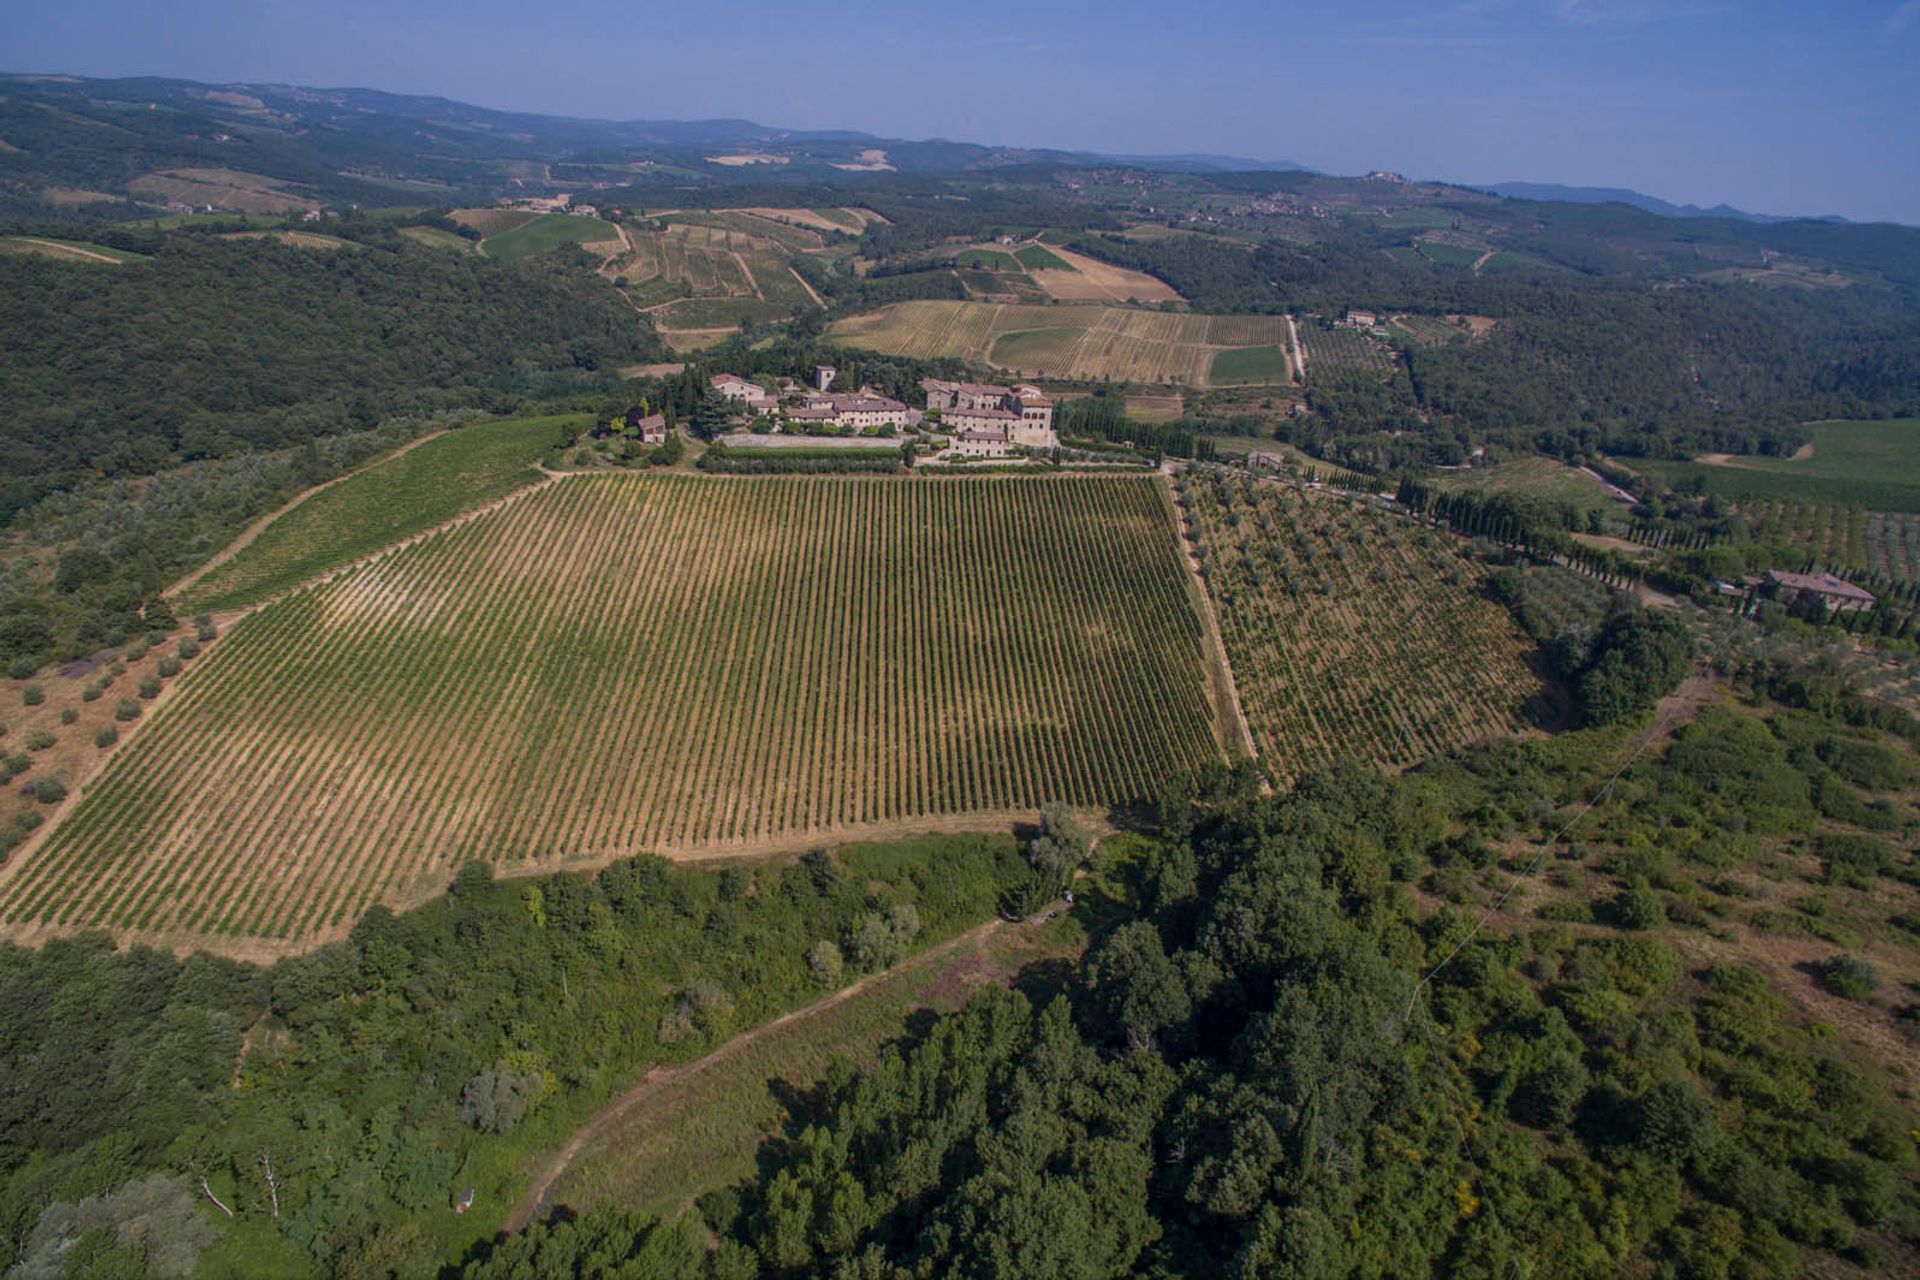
{"x": 253, "y": 531}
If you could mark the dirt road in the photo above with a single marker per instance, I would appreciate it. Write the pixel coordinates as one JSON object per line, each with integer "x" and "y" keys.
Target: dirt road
{"x": 657, "y": 1078}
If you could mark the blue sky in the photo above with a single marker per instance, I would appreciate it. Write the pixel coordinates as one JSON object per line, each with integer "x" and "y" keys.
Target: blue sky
{"x": 1774, "y": 107}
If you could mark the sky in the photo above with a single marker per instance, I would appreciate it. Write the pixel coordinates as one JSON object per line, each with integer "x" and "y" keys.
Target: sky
{"x": 1808, "y": 108}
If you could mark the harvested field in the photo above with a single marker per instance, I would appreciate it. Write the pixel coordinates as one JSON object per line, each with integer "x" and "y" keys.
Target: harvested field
{"x": 1345, "y": 623}
{"x": 843, "y": 221}
{"x": 617, "y": 663}
{"x": 224, "y": 189}
{"x": 1058, "y": 341}
{"x": 1084, "y": 279}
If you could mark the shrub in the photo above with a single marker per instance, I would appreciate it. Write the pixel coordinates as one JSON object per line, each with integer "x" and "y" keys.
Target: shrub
{"x": 823, "y": 961}
{"x": 188, "y": 647}
{"x": 499, "y": 1098}
{"x": 126, "y": 709}
{"x": 49, "y": 791}
{"x": 105, "y": 736}
{"x": 13, "y": 766}
{"x": 33, "y": 695}
{"x": 91, "y": 693}
{"x": 1853, "y": 860}
{"x": 150, "y": 687}
{"x": 68, "y": 715}
{"x": 204, "y": 630}
{"x": 1639, "y": 907}
{"x": 1849, "y": 977}
{"x": 40, "y": 740}
{"x": 27, "y": 821}
{"x": 169, "y": 667}
{"x": 22, "y": 668}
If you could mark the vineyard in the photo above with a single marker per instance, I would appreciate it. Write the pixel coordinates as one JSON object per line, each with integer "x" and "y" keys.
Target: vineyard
{"x": 1062, "y": 341}
{"x": 1885, "y": 543}
{"x": 375, "y": 507}
{"x": 697, "y": 276}
{"x": 1329, "y": 349}
{"x": 611, "y": 664}
{"x": 1349, "y": 628}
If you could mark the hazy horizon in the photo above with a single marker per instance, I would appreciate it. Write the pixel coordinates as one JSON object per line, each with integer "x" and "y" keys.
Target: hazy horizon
{"x": 1756, "y": 105}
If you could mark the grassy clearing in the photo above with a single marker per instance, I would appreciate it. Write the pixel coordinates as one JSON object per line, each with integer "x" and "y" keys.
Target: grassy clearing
{"x": 439, "y": 238}
{"x": 1040, "y": 257}
{"x": 1345, "y": 626}
{"x": 380, "y": 505}
{"x": 69, "y": 250}
{"x": 703, "y": 1130}
{"x": 1449, "y": 255}
{"x": 1249, "y": 364}
{"x": 546, "y": 233}
{"x": 1541, "y": 477}
{"x": 628, "y": 663}
{"x": 1868, "y": 464}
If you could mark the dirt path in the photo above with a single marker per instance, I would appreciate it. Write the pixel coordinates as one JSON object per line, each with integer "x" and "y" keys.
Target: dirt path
{"x": 656, "y": 1078}
{"x": 252, "y": 531}
{"x": 72, "y": 250}
{"x": 1482, "y": 260}
{"x": 809, "y": 288}
{"x": 1229, "y": 719}
{"x": 1299, "y": 356}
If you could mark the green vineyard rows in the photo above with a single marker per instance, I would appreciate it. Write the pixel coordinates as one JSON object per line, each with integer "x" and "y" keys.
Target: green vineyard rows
{"x": 617, "y": 664}
{"x": 1350, "y": 629}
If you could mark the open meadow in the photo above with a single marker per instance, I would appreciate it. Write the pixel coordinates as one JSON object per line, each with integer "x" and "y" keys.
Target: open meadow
{"x": 549, "y": 231}
{"x": 1867, "y": 464}
{"x": 1063, "y": 341}
{"x": 1354, "y": 634}
{"x": 613, "y": 664}
{"x": 1533, "y": 475}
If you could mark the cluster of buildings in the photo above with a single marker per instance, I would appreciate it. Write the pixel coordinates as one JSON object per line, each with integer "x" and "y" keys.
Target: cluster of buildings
{"x": 988, "y": 421}
{"x": 983, "y": 420}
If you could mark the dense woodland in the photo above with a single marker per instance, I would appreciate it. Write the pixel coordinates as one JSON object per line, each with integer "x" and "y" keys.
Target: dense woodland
{"x": 214, "y": 347}
{"x": 1248, "y": 1076}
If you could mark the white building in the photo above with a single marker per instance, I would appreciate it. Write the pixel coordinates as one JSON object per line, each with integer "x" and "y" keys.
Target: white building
{"x": 983, "y": 442}
{"x": 736, "y": 388}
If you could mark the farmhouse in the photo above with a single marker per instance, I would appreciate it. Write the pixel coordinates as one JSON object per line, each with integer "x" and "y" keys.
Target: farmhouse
{"x": 649, "y": 428}
{"x": 1362, "y": 319}
{"x": 983, "y": 442}
{"x": 734, "y": 387}
{"x": 860, "y": 409}
{"x": 1834, "y": 593}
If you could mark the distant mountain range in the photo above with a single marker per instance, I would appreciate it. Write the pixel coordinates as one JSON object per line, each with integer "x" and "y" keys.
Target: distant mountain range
{"x": 72, "y": 132}
{"x": 1639, "y": 200}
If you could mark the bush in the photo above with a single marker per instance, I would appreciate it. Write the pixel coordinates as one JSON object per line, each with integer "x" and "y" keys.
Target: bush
{"x": 27, "y": 821}
{"x": 68, "y": 715}
{"x": 13, "y": 766}
{"x": 204, "y": 630}
{"x": 40, "y": 740}
{"x": 150, "y": 687}
{"x": 22, "y": 668}
{"x": 1849, "y": 977}
{"x": 33, "y": 695}
{"x": 168, "y": 667}
{"x": 49, "y": 791}
{"x": 105, "y": 736}
{"x": 1639, "y": 907}
{"x": 91, "y": 693}
{"x": 823, "y": 961}
{"x": 1853, "y": 860}
{"x": 126, "y": 709}
{"x": 188, "y": 647}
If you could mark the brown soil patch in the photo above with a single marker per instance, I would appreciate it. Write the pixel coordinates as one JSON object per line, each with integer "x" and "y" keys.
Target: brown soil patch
{"x": 1091, "y": 280}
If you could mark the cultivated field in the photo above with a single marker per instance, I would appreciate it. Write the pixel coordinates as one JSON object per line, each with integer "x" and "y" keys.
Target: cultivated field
{"x": 225, "y": 189}
{"x": 379, "y": 505}
{"x": 611, "y": 664}
{"x": 1330, "y": 349}
{"x": 696, "y": 277}
{"x": 1078, "y": 278}
{"x": 493, "y": 222}
{"x": 1353, "y": 633}
{"x": 1869, "y": 464}
{"x": 848, "y": 221}
{"x": 550, "y": 231}
{"x": 1843, "y": 536}
{"x": 1062, "y": 341}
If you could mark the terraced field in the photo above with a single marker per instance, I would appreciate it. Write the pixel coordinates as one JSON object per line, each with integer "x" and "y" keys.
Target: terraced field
{"x": 1063, "y": 341}
{"x": 693, "y": 276}
{"x": 616, "y": 663}
{"x": 1346, "y": 625}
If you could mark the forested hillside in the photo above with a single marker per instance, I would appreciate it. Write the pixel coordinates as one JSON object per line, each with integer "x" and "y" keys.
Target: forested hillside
{"x": 1249, "y": 1076}
{"x": 214, "y": 346}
